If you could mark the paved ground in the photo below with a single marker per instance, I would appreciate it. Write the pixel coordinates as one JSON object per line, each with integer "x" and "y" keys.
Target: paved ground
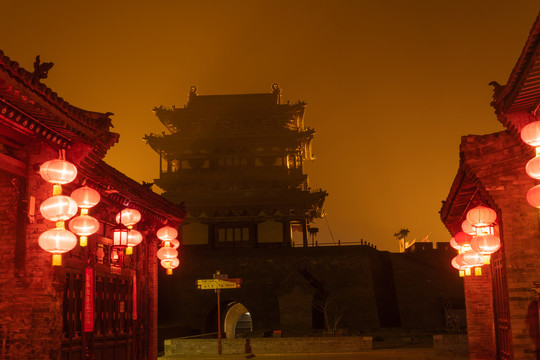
{"x": 379, "y": 354}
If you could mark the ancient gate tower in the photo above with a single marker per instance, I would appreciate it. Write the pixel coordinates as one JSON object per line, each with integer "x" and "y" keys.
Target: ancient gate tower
{"x": 236, "y": 161}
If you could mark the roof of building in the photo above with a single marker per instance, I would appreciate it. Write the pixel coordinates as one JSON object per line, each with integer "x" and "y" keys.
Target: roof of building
{"x": 522, "y": 90}
{"x": 30, "y": 111}
{"x": 58, "y": 120}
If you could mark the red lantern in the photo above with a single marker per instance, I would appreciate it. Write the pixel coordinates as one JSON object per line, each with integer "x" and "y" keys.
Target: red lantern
{"x": 84, "y": 225}
{"x": 134, "y": 238}
{"x": 468, "y": 228}
{"x": 175, "y": 243}
{"x": 454, "y": 244}
{"x": 167, "y": 253}
{"x": 170, "y": 264}
{"x": 457, "y": 262}
{"x": 85, "y": 197}
{"x": 58, "y": 172}
{"x": 128, "y": 217}
{"x": 58, "y": 208}
{"x": 472, "y": 258}
{"x": 533, "y": 196}
{"x": 485, "y": 244}
{"x": 57, "y": 241}
{"x": 462, "y": 238}
{"x": 530, "y": 134}
{"x": 481, "y": 216}
{"x": 120, "y": 237}
{"x": 167, "y": 233}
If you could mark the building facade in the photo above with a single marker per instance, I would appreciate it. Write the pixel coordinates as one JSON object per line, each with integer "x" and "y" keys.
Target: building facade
{"x": 502, "y": 307}
{"x": 236, "y": 162}
{"x": 99, "y": 304}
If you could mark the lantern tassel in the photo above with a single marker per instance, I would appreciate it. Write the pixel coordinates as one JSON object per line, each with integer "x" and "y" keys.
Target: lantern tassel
{"x": 57, "y": 259}
{"x": 83, "y": 241}
{"x": 57, "y": 190}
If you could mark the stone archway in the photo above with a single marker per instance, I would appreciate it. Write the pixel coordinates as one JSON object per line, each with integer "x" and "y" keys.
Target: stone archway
{"x": 237, "y": 319}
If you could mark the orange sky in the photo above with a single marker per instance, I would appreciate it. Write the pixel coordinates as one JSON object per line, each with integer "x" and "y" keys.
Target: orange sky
{"x": 391, "y": 86}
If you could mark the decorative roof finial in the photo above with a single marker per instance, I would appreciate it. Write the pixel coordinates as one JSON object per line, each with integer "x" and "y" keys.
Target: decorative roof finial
{"x": 41, "y": 70}
{"x": 275, "y": 88}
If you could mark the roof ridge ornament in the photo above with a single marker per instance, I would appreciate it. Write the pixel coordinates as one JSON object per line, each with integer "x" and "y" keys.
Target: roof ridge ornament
{"x": 41, "y": 70}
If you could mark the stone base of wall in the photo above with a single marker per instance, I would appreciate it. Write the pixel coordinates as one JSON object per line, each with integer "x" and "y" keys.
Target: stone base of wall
{"x": 174, "y": 347}
{"x": 452, "y": 342}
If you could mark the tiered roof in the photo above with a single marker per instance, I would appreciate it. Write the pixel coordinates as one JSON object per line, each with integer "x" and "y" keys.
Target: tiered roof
{"x": 30, "y": 111}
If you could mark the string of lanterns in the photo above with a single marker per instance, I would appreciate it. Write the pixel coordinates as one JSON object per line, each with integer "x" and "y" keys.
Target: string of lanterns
{"x": 476, "y": 242}
{"x": 168, "y": 253}
{"x": 60, "y": 208}
{"x": 530, "y": 134}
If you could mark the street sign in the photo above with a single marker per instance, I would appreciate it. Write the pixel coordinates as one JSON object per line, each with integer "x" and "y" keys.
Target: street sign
{"x": 206, "y": 284}
{"x": 219, "y": 281}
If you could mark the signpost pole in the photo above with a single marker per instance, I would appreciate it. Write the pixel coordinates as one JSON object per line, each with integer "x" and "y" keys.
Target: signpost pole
{"x": 218, "y": 323}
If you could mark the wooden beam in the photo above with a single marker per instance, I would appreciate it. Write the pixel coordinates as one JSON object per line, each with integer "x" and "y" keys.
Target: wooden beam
{"x": 12, "y": 165}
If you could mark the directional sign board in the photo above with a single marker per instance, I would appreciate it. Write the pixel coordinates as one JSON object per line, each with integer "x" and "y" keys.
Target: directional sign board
{"x": 205, "y": 284}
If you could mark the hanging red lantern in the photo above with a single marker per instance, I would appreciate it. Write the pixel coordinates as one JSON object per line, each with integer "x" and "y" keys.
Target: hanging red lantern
{"x": 533, "y": 196}
{"x": 57, "y": 241}
{"x": 481, "y": 216}
{"x": 486, "y": 244}
{"x": 167, "y": 233}
{"x": 58, "y": 208}
{"x": 462, "y": 238}
{"x": 457, "y": 262}
{"x": 530, "y": 134}
{"x": 134, "y": 238}
{"x": 85, "y": 197}
{"x": 175, "y": 244}
{"x": 454, "y": 244}
{"x": 120, "y": 237}
{"x": 167, "y": 253}
{"x": 58, "y": 172}
{"x": 472, "y": 258}
{"x": 84, "y": 226}
{"x": 170, "y": 264}
{"x": 467, "y": 227}
{"x": 128, "y": 217}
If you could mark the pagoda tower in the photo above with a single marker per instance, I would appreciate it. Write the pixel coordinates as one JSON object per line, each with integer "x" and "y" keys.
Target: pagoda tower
{"x": 236, "y": 162}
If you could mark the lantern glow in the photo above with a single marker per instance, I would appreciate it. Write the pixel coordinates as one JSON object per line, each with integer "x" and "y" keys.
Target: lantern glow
{"x": 120, "y": 237}
{"x": 128, "y": 217}
{"x": 57, "y": 241}
{"x": 167, "y": 253}
{"x": 58, "y": 208}
{"x": 170, "y": 264}
{"x": 58, "y": 172}
{"x": 167, "y": 233}
{"x": 486, "y": 244}
{"x": 481, "y": 216}
{"x": 85, "y": 197}
{"x": 530, "y": 134}
{"x": 533, "y": 196}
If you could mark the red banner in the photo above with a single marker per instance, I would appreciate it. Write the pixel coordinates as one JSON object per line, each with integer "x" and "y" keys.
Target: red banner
{"x": 89, "y": 300}
{"x": 134, "y": 297}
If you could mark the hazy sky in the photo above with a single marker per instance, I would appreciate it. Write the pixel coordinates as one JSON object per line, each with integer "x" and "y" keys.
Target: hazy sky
{"x": 391, "y": 86}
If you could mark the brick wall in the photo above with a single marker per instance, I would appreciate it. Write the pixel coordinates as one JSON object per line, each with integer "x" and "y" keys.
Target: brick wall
{"x": 175, "y": 347}
{"x": 30, "y": 300}
{"x": 498, "y": 161}
{"x": 279, "y": 297}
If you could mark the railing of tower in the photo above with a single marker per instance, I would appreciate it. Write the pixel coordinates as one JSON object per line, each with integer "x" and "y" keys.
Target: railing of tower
{"x": 338, "y": 243}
